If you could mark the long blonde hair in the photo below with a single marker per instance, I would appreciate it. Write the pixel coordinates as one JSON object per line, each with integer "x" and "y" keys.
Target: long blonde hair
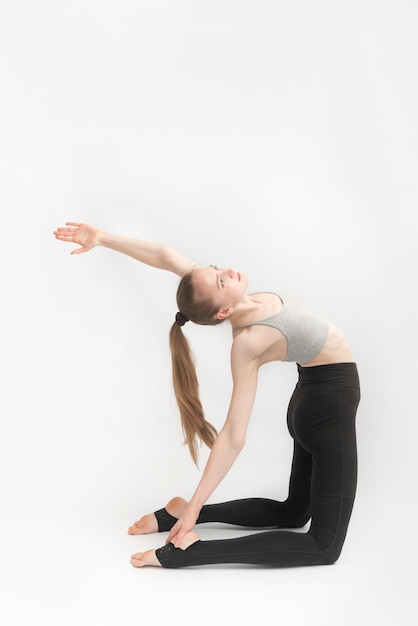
{"x": 186, "y": 386}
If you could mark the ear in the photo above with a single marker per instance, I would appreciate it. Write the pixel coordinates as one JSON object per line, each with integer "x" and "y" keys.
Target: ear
{"x": 224, "y": 313}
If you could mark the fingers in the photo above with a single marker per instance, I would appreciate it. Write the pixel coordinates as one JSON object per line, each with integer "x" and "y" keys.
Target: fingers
{"x": 64, "y": 234}
{"x": 65, "y": 230}
{"x": 176, "y": 538}
{"x": 177, "y": 541}
{"x": 173, "y": 532}
{"x": 69, "y": 233}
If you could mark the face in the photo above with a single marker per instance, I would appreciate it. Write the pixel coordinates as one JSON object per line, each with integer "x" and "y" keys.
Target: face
{"x": 224, "y": 287}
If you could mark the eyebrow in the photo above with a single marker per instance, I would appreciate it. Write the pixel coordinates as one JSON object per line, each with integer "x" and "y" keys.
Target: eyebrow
{"x": 217, "y": 277}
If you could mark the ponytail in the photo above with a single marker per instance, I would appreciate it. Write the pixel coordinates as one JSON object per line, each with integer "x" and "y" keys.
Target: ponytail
{"x": 186, "y": 389}
{"x": 186, "y": 386}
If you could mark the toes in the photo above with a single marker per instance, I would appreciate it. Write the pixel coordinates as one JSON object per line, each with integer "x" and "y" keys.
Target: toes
{"x": 147, "y": 524}
{"x": 142, "y": 559}
{"x": 137, "y": 557}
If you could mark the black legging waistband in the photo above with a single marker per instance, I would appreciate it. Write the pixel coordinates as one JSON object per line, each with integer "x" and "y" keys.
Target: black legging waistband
{"x": 344, "y": 373}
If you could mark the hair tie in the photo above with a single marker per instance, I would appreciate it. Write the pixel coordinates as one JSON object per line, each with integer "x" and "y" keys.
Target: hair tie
{"x": 181, "y": 319}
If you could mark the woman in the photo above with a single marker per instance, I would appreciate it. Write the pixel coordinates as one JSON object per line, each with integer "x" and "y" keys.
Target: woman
{"x": 321, "y": 417}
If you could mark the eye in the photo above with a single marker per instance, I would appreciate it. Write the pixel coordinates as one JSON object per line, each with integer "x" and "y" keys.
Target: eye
{"x": 221, "y": 280}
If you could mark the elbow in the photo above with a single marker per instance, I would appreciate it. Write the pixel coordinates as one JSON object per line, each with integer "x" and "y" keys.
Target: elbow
{"x": 167, "y": 251}
{"x": 239, "y": 443}
{"x": 236, "y": 440}
{"x": 168, "y": 256}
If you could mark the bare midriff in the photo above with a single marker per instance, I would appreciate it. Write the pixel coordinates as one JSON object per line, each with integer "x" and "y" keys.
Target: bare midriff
{"x": 335, "y": 350}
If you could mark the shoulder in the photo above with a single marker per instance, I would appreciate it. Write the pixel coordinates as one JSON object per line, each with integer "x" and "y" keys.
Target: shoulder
{"x": 245, "y": 348}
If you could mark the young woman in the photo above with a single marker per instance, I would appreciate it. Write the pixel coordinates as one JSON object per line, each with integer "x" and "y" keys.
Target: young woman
{"x": 321, "y": 417}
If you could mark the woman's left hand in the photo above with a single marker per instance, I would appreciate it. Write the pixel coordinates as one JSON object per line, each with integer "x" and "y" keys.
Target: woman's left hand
{"x": 184, "y": 525}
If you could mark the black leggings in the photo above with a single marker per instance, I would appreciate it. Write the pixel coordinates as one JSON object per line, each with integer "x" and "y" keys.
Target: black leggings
{"x": 321, "y": 421}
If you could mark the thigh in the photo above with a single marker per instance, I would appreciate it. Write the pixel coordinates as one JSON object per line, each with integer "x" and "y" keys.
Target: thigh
{"x": 334, "y": 447}
{"x": 325, "y": 427}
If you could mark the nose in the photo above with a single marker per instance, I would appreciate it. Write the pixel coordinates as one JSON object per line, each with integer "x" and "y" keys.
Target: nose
{"x": 230, "y": 272}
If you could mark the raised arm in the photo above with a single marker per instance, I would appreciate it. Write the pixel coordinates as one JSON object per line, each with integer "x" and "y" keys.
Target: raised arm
{"x": 228, "y": 444}
{"x": 157, "y": 255}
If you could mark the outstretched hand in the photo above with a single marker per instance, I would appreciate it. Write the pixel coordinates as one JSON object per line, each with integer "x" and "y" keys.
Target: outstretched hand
{"x": 184, "y": 525}
{"x": 75, "y": 232}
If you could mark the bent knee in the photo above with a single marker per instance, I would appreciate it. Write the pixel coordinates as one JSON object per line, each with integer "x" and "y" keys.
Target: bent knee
{"x": 329, "y": 557}
{"x": 329, "y": 553}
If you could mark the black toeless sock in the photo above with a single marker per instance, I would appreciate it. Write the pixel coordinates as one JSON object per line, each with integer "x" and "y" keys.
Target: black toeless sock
{"x": 171, "y": 557}
{"x": 165, "y": 520}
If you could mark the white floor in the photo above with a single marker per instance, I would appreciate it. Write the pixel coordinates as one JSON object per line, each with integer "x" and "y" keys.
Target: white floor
{"x": 65, "y": 555}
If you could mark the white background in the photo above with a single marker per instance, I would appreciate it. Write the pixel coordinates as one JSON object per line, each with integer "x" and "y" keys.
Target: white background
{"x": 279, "y": 137}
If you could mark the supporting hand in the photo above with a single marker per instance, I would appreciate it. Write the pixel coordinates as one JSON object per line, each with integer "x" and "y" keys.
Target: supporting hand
{"x": 184, "y": 525}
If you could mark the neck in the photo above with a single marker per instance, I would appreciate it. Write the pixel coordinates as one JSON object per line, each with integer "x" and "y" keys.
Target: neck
{"x": 245, "y": 311}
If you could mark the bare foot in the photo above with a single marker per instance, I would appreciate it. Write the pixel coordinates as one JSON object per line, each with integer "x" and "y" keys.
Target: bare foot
{"x": 148, "y": 523}
{"x": 142, "y": 559}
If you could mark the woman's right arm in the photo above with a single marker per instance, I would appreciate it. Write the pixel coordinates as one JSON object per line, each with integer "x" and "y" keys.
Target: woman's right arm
{"x": 231, "y": 438}
{"x": 157, "y": 255}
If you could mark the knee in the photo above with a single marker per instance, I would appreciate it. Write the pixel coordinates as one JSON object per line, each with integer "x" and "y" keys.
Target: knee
{"x": 329, "y": 533}
{"x": 328, "y": 551}
{"x": 330, "y": 556}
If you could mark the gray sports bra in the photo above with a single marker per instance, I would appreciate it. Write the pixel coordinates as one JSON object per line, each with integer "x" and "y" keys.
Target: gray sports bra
{"x": 305, "y": 330}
